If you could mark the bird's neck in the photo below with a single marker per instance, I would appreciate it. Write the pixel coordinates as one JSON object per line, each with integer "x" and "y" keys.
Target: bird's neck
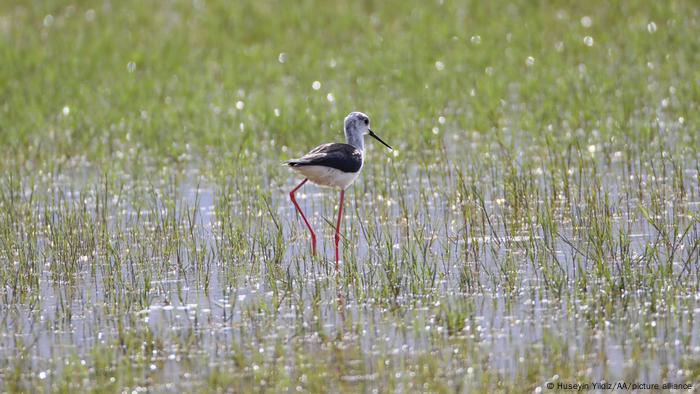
{"x": 355, "y": 139}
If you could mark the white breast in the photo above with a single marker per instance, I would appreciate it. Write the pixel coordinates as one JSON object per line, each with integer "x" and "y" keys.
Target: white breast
{"x": 327, "y": 176}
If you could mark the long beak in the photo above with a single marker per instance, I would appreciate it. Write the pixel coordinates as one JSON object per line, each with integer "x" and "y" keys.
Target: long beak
{"x": 371, "y": 133}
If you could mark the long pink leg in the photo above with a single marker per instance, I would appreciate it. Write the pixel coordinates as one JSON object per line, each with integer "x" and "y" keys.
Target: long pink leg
{"x": 294, "y": 200}
{"x": 337, "y": 228}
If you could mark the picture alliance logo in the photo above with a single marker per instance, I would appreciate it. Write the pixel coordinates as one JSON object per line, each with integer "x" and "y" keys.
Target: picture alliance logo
{"x": 617, "y": 386}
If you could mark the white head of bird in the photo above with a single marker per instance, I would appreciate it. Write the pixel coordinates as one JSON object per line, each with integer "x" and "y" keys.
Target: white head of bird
{"x": 356, "y": 127}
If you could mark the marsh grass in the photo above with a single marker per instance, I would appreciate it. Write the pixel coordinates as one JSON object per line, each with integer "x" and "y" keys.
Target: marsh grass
{"x": 537, "y": 222}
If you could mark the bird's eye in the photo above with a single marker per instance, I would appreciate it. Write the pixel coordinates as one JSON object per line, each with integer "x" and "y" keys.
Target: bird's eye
{"x": 366, "y": 121}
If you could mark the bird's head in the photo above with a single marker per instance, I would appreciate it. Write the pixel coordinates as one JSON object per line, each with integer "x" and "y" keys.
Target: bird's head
{"x": 357, "y": 123}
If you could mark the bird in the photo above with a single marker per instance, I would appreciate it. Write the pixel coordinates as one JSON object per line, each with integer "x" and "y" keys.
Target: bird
{"x": 335, "y": 165}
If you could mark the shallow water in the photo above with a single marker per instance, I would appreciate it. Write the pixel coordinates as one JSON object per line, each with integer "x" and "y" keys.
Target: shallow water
{"x": 223, "y": 291}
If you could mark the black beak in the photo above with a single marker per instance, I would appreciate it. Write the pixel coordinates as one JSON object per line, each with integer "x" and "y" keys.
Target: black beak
{"x": 371, "y": 133}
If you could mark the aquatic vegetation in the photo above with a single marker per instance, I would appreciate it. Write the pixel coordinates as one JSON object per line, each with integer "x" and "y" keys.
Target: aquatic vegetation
{"x": 537, "y": 222}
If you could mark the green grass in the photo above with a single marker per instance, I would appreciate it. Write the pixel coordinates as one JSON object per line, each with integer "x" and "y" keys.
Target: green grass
{"x": 537, "y": 222}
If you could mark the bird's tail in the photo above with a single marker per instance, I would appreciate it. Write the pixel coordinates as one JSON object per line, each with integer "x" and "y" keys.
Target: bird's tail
{"x": 291, "y": 163}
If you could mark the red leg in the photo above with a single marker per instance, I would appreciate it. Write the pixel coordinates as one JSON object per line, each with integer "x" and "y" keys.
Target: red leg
{"x": 337, "y": 228}
{"x": 294, "y": 200}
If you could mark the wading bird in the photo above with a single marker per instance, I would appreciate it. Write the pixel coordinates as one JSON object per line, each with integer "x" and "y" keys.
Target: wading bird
{"x": 335, "y": 165}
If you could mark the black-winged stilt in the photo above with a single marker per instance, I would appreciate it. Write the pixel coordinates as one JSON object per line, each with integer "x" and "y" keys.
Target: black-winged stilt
{"x": 335, "y": 165}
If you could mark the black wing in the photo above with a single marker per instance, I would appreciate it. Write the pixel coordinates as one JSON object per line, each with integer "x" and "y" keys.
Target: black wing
{"x": 343, "y": 157}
